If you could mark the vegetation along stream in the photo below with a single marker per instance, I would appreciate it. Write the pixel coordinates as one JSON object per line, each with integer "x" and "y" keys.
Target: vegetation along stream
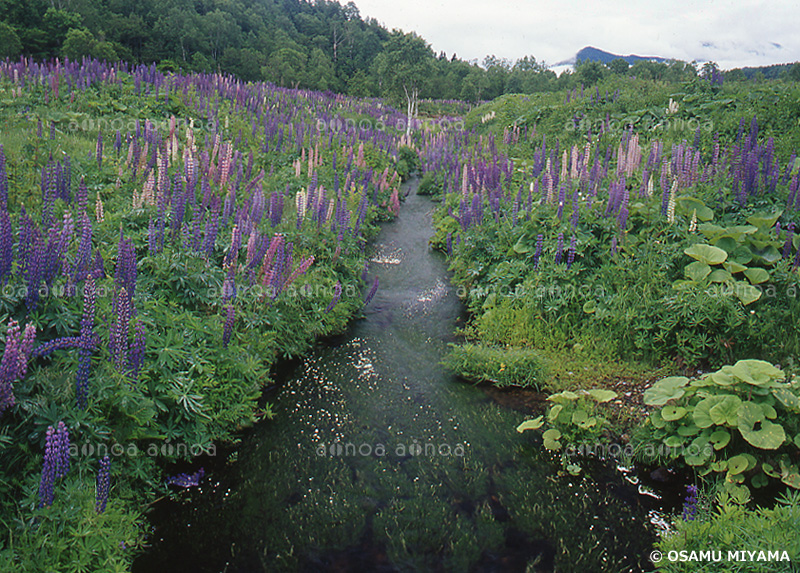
{"x": 381, "y": 460}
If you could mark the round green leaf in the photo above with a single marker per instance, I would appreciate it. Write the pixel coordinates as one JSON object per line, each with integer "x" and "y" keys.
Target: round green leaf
{"x": 726, "y": 412}
{"x": 674, "y": 442}
{"x": 690, "y": 430}
{"x": 702, "y": 411}
{"x": 728, "y": 244}
{"x": 720, "y": 276}
{"x": 672, "y": 413}
{"x": 756, "y": 372}
{"x": 589, "y": 307}
{"x": 765, "y": 219}
{"x": 601, "y": 395}
{"x": 756, "y": 275}
{"x": 552, "y": 415}
{"x": 665, "y": 390}
{"x": 789, "y": 399}
{"x": 707, "y": 254}
{"x": 579, "y": 417}
{"x": 733, "y": 267}
{"x": 720, "y": 439}
{"x": 746, "y": 293}
{"x": 762, "y": 434}
{"x": 697, "y": 271}
{"x": 737, "y": 464}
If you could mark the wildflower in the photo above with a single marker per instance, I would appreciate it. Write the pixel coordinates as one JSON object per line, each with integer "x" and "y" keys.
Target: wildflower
{"x": 187, "y": 480}
{"x": 103, "y": 485}
{"x": 56, "y": 462}
{"x": 337, "y": 294}
{"x": 690, "y": 503}
{"x": 371, "y": 292}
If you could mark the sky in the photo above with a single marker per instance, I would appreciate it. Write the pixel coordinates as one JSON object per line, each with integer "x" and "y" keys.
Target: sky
{"x": 730, "y": 33}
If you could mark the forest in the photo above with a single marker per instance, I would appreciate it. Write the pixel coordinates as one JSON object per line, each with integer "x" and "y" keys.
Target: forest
{"x": 262, "y": 310}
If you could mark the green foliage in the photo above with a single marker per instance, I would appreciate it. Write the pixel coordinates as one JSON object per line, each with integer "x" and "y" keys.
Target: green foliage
{"x": 407, "y": 163}
{"x": 732, "y": 529}
{"x": 741, "y": 422}
{"x": 499, "y": 366}
{"x": 573, "y": 419}
{"x": 71, "y": 536}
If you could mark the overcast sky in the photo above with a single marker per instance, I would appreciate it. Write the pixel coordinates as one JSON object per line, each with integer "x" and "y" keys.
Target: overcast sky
{"x": 733, "y": 34}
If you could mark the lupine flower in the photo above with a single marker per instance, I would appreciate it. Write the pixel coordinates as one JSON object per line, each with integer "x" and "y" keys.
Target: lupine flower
{"x": 337, "y": 294}
{"x": 537, "y": 255}
{"x": 187, "y": 480}
{"x": 118, "y": 338}
{"x": 56, "y": 462}
{"x": 690, "y": 503}
{"x": 571, "y": 251}
{"x": 103, "y": 485}
{"x": 14, "y": 364}
{"x": 6, "y": 245}
{"x": 3, "y": 180}
{"x": 371, "y": 292}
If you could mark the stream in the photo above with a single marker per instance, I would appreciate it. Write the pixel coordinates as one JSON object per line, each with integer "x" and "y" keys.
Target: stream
{"x": 379, "y": 459}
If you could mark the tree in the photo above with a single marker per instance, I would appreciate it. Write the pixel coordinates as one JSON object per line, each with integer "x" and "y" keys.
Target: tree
{"x": 10, "y": 46}
{"x": 619, "y": 66}
{"x": 79, "y": 44}
{"x": 286, "y": 67}
{"x": 589, "y": 72}
{"x": 403, "y": 68}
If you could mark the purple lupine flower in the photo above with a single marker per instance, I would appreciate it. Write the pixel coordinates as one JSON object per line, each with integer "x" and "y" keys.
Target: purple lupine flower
{"x": 337, "y": 294}
{"x": 82, "y": 197}
{"x": 537, "y": 255}
{"x": 138, "y": 348}
{"x": 6, "y": 246}
{"x": 62, "y": 450}
{"x": 118, "y": 338}
{"x": 301, "y": 269}
{"x": 14, "y": 364}
{"x": 187, "y": 480}
{"x": 560, "y": 248}
{"x": 103, "y": 485}
{"x": 88, "y": 343}
{"x": 371, "y": 292}
{"x": 227, "y": 329}
{"x": 56, "y": 462}
{"x": 571, "y": 252}
{"x": 125, "y": 273}
{"x": 46, "y": 494}
{"x": 3, "y": 180}
{"x": 690, "y": 503}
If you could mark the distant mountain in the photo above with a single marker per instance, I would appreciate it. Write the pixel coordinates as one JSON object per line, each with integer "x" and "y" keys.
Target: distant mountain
{"x": 597, "y": 55}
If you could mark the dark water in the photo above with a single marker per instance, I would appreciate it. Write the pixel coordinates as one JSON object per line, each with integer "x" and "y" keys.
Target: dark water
{"x": 379, "y": 460}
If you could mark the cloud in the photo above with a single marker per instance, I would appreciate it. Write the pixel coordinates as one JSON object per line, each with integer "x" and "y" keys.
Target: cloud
{"x": 732, "y": 33}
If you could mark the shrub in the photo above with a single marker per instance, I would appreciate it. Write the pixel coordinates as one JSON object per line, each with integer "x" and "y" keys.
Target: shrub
{"x": 499, "y": 366}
